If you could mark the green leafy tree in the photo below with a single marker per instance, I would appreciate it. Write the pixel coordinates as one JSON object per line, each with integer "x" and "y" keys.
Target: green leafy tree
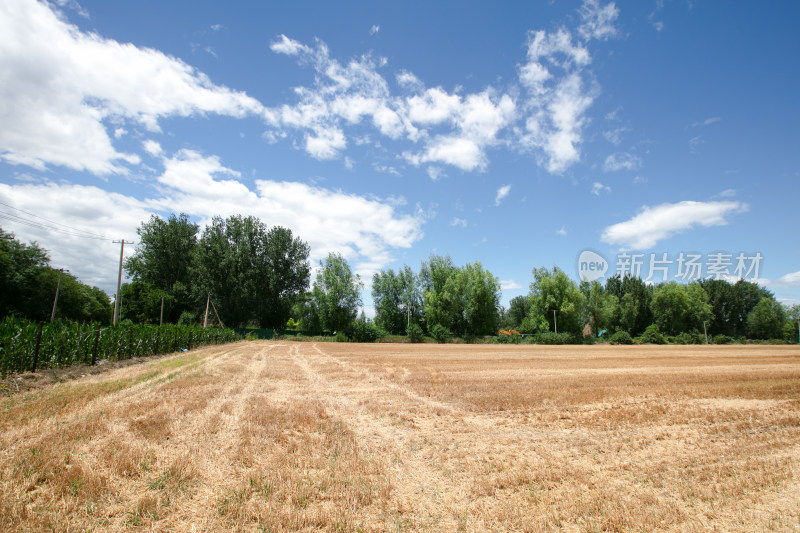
{"x": 518, "y": 309}
{"x": 766, "y": 320}
{"x": 601, "y": 307}
{"x": 163, "y": 260}
{"x": 746, "y": 296}
{"x": 634, "y": 296}
{"x": 397, "y": 299}
{"x": 336, "y": 293}
{"x": 722, "y": 299}
{"x": 141, "y": 302}
{"x": 553, "y": 290}
{"x": 254, "y": 275}
{"x": 286, "y": 276}
{"x": 20, "y": 265}
{"x": 678, "y": 308}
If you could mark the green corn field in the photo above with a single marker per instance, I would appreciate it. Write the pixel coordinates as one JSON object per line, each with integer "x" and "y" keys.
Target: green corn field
{"x": 66, "y": 344}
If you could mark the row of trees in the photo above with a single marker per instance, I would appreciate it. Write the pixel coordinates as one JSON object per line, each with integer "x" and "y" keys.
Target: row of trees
{"x": 254, "y": 274}
{"x": 28, "y": 286}
{"x": 629, "y": 304}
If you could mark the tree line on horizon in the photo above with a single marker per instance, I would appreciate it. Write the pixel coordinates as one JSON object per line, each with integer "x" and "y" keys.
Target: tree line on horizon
{"x": 259, "y": 276}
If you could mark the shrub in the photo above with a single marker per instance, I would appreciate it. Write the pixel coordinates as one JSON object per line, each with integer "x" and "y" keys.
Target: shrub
{"x": 723, "y": 339}
{"x": 340, "y": 337}
{"x": 440, "y": 333}
{"x": 363, "y": 331}
{"x": 414, "y": 332}
{"x": 688, "y": 338}
{"x": 510, "y": 336}
{"x": 652, "y": 335}
{"x": 621, "y": 337}
{"x": 549, "y": 337}
{"x": 187, "y": 318}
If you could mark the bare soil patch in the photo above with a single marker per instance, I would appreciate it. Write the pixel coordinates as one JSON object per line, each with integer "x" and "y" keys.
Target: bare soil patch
{"x": 288, "y": 436}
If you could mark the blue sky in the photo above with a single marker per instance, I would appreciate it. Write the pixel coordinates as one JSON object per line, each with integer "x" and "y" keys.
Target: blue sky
{"x": 515, "y": 134}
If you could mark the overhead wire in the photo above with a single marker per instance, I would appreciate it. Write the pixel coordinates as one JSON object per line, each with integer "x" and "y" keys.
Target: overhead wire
{"x": 64, "y": 228}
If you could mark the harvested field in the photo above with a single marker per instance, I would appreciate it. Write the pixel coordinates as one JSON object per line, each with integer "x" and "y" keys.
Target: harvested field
{"x": 291, "y": 436}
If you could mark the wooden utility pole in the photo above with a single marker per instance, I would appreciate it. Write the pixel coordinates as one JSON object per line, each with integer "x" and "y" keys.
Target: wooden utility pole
{"x": 205, "y": 319}
{"x": 55, "y": 301}
{"x": 555, "y": 324}
{"x": 161, "y": 320}
{"x": 118, "y": 299}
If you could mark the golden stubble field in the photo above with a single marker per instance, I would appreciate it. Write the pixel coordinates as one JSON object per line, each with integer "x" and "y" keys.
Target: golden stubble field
{"x": 291, "y": 436}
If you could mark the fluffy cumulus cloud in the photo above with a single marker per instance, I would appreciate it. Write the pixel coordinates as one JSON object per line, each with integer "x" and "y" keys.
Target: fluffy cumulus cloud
{"x": 63, "y": 87}
{"x": 364, "y": 230}
{"x": 451, "y": 128}
{"x": 557, "y": 92}
{"x": 653, "y": 224}
{"x": 789, "y": 280}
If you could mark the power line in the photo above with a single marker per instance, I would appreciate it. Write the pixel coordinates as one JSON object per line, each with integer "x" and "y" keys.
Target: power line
{"x": 69, "y": 230}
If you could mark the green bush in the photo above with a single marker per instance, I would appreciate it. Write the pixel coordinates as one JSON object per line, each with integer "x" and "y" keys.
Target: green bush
{"x": 652, "y": 335}
{"x": 363, "y": 331}
{"x": 688, "y": 338}
{"x": 723, "y": 339}
{"x": 187, "y": 318}
{"x": 340, "y": 337}
{"x": 551, "y": 338}
{"x": 440, "y": 333}
{"x": 414, "y": 332}
{"x": 621, "y": 337}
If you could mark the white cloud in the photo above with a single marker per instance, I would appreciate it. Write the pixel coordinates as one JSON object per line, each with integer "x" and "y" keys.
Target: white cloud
{"x": 364, "y": 230}
{"x": 557, "y": 98}
{"x": 598, "y": 21}
{"x": 695, "y": 143}
{"x": 509, "y": 284}
{"x": 789, "y": 280}
{"x": 152, "y": 147}
{"x": 562, "y": 231}
{"x": 434, "y": 172}
{"x": 622, "y": 161}
{"x": 653, "y": 224}
{"x": 706, "y": 122}
{"x": 598, "y": 188}
{"x": 374, "y": 29}
{"x": 62, "y": 85}
{"x": 727, "y": 193}
{"x": 502, "y": 192}
{"x": 458, "y": 222}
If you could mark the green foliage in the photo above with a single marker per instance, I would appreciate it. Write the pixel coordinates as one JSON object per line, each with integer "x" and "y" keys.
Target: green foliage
{"x": 554, "y": 291}
{"x": 688, "y": 338}
{"x": 552, "y": 338}
{"x": 440, "y": 333}
{"x": 70, "y": 343}
{"x": 518, "y": 309}
{"x": 254, "y": 274}
{"x": 340, "y": 337}
{"x": 335, "y": 294}
{"x": 397, "y": 298}
{"x": 678, "y": 308}
{"x": 621, "y": 337}
{"x": 723, "y": 339}
{"x": 414, "y": 332}
{"x": 187, "y": 318}
{"x": 463, "y": 300}
{"x": 28, "y": 287}
{"x": 634, "y": 297}
{"x": 766, "y": 319}
{"x": 364, "y": 331}
{"x": 162, "y": 262}
{"x": 601, "y": 307}
{"x": 652, "y": 335}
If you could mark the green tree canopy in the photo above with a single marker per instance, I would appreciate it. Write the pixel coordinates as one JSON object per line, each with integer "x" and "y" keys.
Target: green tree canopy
{"x": 766, "y": 320}
{"x": 335, "y": 294}
{"x": 553, "y": 290}
{"x": 678, "y": 308}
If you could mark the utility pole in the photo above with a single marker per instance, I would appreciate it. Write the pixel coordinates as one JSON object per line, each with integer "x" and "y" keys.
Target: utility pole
{"x": 118, "y": 299}
{"x": 205, "y": 320}
{"x": 161, "y": 320}
{"x": 58, "y": 288}
{"x": 555, "y": 324}
{"x": 705, "y": 332}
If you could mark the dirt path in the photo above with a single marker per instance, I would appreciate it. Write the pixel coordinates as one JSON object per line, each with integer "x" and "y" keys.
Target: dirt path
{"x": 287, "y": 436}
